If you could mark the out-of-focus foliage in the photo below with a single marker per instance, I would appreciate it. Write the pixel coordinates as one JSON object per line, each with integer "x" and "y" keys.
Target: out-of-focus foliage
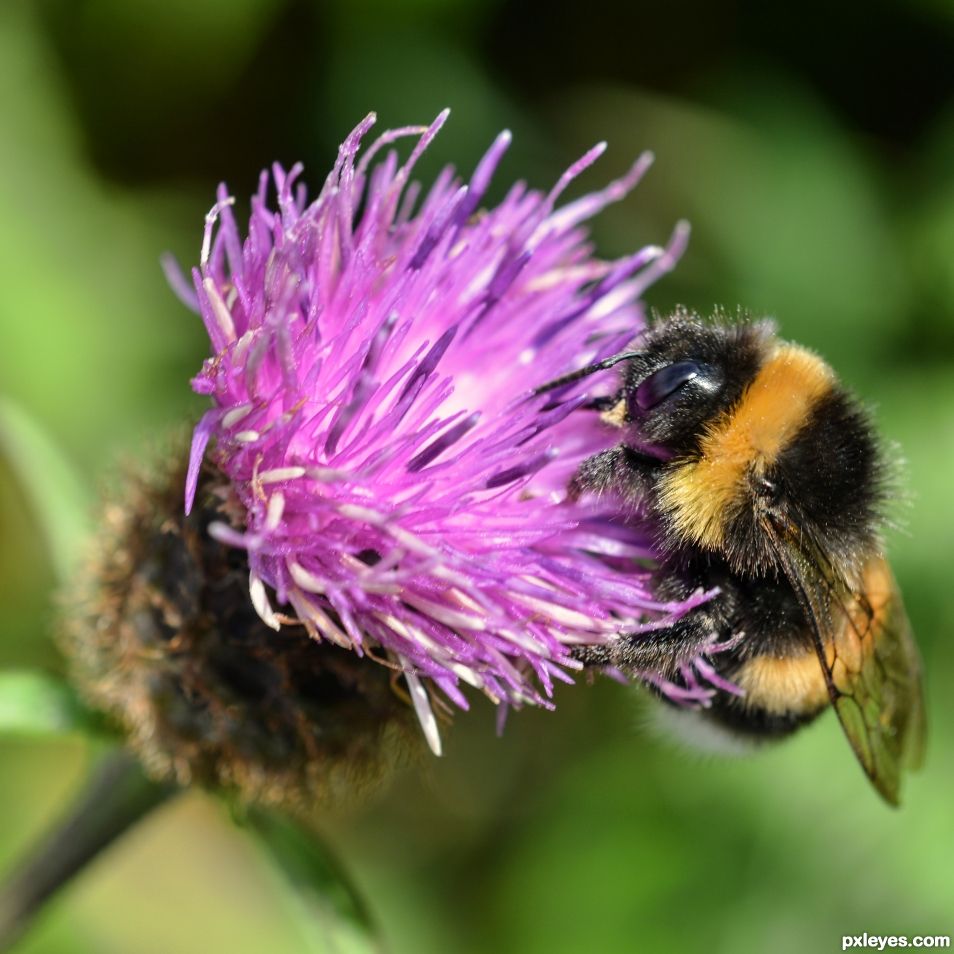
{"x": 814, "y": 154}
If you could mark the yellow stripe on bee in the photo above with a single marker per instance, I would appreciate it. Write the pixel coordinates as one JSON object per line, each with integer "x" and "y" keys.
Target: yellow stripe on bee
{"x": 701, "y": 495}
{"x": 796, "y": 684}
{"x": 792, "y": 686}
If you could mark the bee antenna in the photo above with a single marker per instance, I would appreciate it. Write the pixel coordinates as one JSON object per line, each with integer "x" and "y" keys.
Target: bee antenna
{"x": 585, "y": 372}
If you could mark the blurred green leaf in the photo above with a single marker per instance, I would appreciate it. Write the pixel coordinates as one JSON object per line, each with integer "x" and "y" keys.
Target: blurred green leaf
{"x": 117, "y": 795}
{"x": 175, "y": 48}
{"x": 94, "y": 342}
{"x": 55, "y": 490}
{"x": 37, "y": 704}
{"x": 333, "y": 914}
{"x": 786, "y": 212}
{"x": 928, "y": 245}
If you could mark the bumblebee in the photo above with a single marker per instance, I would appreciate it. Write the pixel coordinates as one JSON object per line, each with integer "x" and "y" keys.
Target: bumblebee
{"x": 766, "y": 482}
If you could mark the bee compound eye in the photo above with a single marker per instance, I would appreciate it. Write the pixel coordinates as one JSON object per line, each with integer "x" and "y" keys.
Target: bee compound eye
{"x": 666, "y": 382}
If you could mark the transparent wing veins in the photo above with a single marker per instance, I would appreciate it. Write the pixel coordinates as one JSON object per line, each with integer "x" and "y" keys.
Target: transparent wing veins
{"x": 867, "y": 654}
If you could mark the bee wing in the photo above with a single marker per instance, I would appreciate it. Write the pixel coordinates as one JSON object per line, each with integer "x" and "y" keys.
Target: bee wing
{"x": 869, "y": 658}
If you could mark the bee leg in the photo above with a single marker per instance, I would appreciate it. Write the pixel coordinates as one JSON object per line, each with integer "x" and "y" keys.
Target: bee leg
{"x": 620, "y": 468}
{"x": 663, "y": 651}
{"x": 597, "y": 474}
{"x": 604, "y": 402}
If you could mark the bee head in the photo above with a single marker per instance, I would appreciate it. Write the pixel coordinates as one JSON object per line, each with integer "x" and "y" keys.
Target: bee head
{"x": 686, "y": 374}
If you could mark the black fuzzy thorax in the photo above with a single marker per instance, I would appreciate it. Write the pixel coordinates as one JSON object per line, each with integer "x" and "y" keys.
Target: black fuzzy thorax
{"x": 829, "y": 482}
{"x": 832, "y": 477}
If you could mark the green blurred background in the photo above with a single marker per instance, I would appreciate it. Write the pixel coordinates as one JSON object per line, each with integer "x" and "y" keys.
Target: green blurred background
{"x": 813, "y": 151}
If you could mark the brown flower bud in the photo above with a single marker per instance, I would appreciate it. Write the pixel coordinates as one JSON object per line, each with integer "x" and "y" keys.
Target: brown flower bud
{"x": 162, "y": 636}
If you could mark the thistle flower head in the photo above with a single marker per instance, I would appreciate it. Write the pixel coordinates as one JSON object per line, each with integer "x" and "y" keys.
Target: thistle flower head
{"x": 374, "y": 356}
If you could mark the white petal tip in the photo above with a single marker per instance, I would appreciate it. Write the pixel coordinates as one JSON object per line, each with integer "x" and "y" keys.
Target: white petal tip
{"x": 256, "y": 589}
{"x": 425, "y": 714}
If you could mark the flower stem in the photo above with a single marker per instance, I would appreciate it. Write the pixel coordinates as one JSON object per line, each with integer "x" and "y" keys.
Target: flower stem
{"x": 115, "y": 798}
{"x": 327, "y": 899}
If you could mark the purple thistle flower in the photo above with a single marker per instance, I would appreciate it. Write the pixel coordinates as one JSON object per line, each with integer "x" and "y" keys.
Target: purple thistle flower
{"x": 374, "y": 360}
